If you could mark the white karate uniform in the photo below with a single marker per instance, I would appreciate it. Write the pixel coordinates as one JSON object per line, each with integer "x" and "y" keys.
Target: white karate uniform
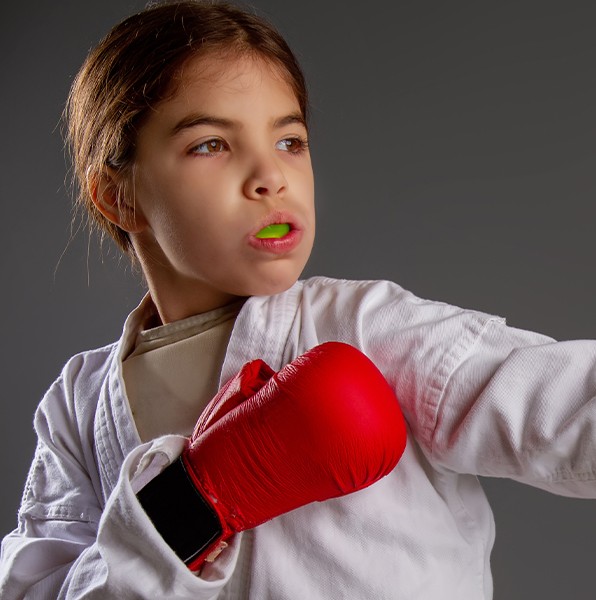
{"x": 480, "y": 398}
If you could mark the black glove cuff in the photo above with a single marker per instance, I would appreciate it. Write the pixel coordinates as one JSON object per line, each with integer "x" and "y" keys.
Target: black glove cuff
{"x": 181, "y": 515}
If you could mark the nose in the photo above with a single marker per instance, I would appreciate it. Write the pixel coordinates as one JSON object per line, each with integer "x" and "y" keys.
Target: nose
{"x": 266, "y": 179}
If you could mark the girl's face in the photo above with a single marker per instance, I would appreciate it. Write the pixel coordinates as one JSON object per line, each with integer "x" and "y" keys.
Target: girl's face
{"x": 218, "y": 162}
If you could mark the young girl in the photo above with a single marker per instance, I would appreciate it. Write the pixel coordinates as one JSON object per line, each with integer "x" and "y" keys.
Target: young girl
{"x": 189, "y": 129}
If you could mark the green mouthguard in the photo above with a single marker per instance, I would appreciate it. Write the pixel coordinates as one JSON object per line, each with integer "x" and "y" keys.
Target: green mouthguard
{"x": 277, "y": 230}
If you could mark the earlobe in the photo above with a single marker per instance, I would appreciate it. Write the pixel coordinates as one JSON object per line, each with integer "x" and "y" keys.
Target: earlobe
{"x": 108, "y": 197}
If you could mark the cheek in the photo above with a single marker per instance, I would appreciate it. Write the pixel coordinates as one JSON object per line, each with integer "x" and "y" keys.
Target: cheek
{"x": 171, "y": 210}
{"x": 307, "y": 187}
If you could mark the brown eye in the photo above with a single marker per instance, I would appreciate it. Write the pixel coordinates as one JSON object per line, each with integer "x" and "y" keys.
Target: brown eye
{"x": 213, "y": 146}
{"x": 292, "y": 145}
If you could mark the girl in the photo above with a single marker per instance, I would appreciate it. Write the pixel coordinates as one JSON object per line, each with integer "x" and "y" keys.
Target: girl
{"x": 189, "y": 129}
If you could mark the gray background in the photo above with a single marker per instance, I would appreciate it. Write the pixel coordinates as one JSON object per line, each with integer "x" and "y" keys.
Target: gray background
{"x": 454, "y": 150}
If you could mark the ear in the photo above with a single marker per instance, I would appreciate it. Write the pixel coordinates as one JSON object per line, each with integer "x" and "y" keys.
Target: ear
{"x": 107, "y": 195}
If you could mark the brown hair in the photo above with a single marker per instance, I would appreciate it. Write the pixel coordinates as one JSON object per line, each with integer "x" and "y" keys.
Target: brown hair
{"x": 132, "y": 69}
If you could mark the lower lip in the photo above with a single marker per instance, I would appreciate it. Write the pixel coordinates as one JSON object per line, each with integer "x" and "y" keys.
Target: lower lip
{"x": 282, "y": 245}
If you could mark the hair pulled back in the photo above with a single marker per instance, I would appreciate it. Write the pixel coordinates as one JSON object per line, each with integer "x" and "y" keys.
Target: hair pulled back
{"x": 132, "y": 69}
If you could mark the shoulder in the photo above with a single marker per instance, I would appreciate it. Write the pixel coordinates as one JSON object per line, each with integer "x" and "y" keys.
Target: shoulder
{"x": 73, "y": 396}
{"x": 391, "y": 324}
{"x": 379, "y": 298}
{"x": 326, "y": 289}
{"x": 63, "y": 481}
{"x": 86, "y": 369}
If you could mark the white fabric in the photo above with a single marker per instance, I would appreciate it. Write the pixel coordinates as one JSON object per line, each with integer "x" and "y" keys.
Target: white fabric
{"x": 479, "y": 397}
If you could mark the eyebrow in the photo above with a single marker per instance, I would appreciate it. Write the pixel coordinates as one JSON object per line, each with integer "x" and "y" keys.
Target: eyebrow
{"x": 291, "y": 119}
{"x": 194, "y": 120}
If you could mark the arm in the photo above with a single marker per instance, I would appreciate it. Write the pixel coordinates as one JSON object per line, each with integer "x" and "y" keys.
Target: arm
{"x": 480, "y": 397}
{"x": 68, "y": 545}
{"x": 326, "y": 425}
{"x": 522, "y": 406}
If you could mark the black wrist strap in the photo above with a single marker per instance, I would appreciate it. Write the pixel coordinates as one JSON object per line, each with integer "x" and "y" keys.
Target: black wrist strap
{"x": 181, "y": 515}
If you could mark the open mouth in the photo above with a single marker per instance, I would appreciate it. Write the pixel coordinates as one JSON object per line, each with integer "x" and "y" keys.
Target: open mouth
{"x": 280, "y": 236}
{"x": 273, "y": 231}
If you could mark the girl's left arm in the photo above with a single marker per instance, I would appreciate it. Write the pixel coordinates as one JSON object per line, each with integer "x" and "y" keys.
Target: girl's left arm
{"x": 522, "y": 406}
{"x": 480, "y": 397}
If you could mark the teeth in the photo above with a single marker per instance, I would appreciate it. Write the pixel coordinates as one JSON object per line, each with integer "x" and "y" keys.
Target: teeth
{"x": 277, "y": 230}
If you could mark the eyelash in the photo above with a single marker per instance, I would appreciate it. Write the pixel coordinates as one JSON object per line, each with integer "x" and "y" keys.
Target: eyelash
{"x": 195, "y": 149}
{"x": 302, "y": 146}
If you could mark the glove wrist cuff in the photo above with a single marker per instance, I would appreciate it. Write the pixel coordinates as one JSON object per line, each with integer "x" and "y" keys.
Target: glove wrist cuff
{"x": 183, "y": 517}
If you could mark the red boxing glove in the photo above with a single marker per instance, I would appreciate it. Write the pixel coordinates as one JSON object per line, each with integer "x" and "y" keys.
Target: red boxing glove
{"x": 326, "y": 425}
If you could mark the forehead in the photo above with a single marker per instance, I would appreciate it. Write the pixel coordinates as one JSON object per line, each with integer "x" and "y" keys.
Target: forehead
{"x": 216, "y": 78}
{"x": 248, "y": 92}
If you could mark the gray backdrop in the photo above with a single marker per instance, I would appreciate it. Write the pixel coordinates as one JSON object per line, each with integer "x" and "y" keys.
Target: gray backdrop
{"x": 454, "y": 146}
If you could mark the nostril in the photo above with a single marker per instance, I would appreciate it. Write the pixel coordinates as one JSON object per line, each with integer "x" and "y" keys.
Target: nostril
{"x": 261, "y": 190}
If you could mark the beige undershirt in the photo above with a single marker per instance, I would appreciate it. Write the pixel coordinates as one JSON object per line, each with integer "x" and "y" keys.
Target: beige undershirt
{"x": 173, "y": 371}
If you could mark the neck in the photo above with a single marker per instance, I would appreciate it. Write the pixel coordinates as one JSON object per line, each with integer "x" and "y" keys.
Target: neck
{"x": 177, "y": 297}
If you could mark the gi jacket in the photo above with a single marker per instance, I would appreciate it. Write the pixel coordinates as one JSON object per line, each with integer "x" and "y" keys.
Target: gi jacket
{"x": 480, "y": 398}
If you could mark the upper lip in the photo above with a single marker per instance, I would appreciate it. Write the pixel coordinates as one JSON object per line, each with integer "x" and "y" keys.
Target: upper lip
{"x": 274, "y": 218}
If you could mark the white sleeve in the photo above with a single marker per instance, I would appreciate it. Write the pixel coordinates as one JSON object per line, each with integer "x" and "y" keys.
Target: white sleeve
{"x": 480, "y": 397}
{"x": 522, "y": 406}
{"x": 67, "y": 546}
